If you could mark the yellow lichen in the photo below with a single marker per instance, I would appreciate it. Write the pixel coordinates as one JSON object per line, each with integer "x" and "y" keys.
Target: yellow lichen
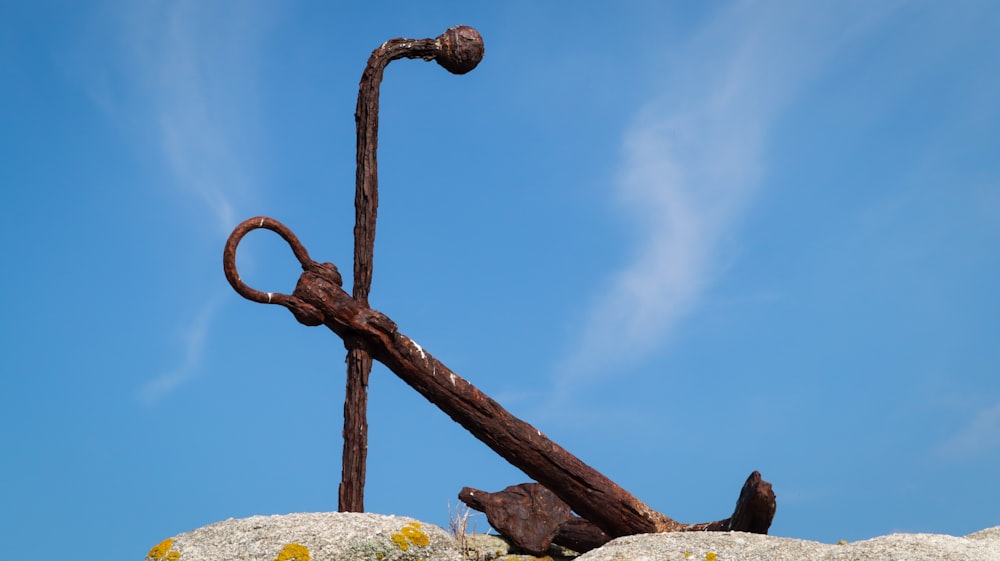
{"x": 711, "y": 556}
{"x": 415, "y": 535}
{"x": 293, "y": 552}
{"x": 410, "y": 534}
{"x": 687, "y": 554}
{"x": 400, "y": 541}
{"x": 161, "y": 552}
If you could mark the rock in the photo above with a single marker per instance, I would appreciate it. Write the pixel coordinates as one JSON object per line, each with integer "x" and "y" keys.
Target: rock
{"x": 490, "y": 547}
{"x": 315, "y": 536}
{"x": 486, "y": 547}
{"x": 336, "y": 536}
{"x": 738, "y": 546}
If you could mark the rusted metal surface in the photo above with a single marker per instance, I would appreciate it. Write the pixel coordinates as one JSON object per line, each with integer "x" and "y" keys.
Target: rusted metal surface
{"x": 319, "y": 299}
{"x": 459, "y": 50}
{"x": 351, "y": 492}
{"x": 580, "y": 535}
{"x": 529, "y": 515}
{"x": 535, "y": 515}
{"x": 754, "y": 510}
{"x": 533, "y": 518}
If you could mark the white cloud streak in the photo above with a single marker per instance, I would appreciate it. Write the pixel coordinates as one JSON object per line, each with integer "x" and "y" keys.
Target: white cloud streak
{"x": 980, "y": 435}
{"x": 193, "y": 343}
{"x": 692, "y": 160}
{"x": 195, "y": 61}
{"x": 192, "y": 62}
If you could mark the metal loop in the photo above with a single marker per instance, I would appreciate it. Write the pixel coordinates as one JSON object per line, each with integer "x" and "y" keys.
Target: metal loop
{"x": 229, "y": 259}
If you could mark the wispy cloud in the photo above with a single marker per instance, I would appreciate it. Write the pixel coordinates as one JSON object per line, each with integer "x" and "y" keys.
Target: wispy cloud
{"x": 195, "y": 61}
{"x": 192, "y": 342}
{"x": 692, "y": 159}
{"x": 980, "y": 435}
{"x": 192, "y": 67}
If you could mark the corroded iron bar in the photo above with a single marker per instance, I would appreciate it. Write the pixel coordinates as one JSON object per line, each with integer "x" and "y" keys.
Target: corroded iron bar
{"x": 530, "y": 516}
{"x": 587, "y": 491}
{"x": 319, "y": 299}
{"x": 459, "y": 50}
{"x": 754, "y": 512}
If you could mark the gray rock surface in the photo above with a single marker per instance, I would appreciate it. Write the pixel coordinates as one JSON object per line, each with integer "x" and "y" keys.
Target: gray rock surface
{"x": 332, "y": 536}
{"x": 489, "y": 547}
{"x": 311, "y": 537}
{"x": 738, "y": 546}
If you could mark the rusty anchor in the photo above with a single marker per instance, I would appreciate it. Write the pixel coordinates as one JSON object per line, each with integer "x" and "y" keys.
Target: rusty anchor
{"x": 458, "y": 50}
{"x": 532, "y": 515}
{"x": 319, "y": 299}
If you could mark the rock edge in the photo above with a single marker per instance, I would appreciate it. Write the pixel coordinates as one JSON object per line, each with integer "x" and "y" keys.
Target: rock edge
{"x": 373, "y": 537}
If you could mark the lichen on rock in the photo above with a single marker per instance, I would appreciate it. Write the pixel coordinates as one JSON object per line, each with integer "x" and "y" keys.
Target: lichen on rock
{"x": 163, "y": 551}
{"x": 293, "y": 552}
{"x": 312, "y": 537}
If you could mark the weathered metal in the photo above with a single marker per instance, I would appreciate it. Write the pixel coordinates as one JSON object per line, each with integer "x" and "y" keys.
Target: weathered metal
{"x": 533, "y": 517}
{"x": 580, "y": 535}
{"x": 529, "y": 515}
{"x": 458, "y": 50}
{"x": 755, "y": 508}
{"x": 319, "y": 299}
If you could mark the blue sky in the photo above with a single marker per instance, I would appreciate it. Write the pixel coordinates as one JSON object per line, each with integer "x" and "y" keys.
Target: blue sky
{"x": 686, "y": 240}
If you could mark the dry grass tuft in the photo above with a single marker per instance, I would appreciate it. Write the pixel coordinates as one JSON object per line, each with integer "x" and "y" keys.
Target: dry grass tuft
{"x": 458, "y": 527}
